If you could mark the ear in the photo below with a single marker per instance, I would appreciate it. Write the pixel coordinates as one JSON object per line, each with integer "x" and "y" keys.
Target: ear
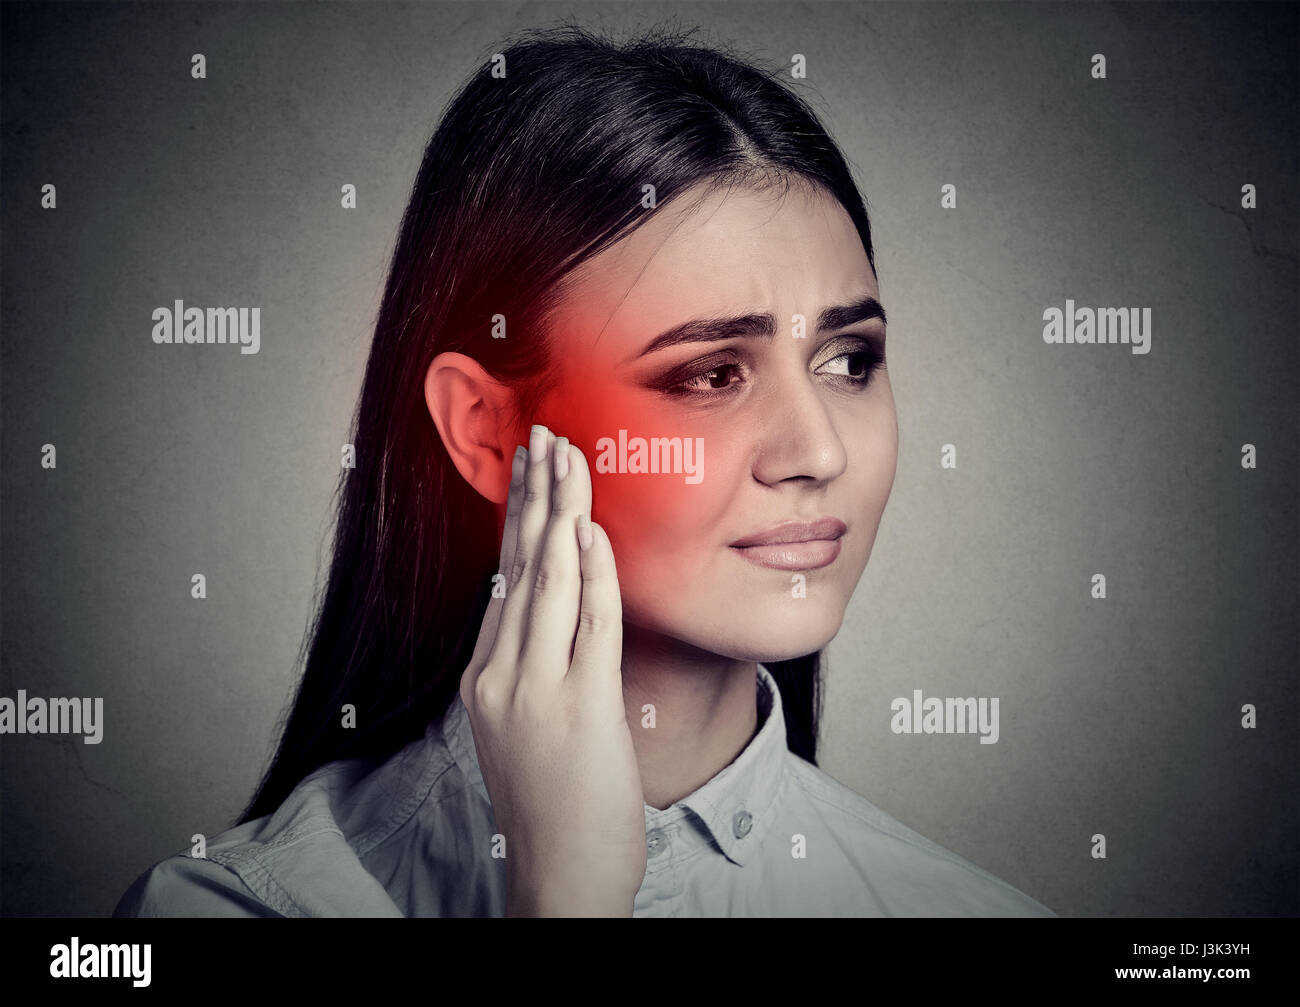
{"x": 471, "y": 408}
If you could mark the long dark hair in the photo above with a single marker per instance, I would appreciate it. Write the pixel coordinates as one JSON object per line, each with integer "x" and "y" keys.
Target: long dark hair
{"x": 527, "y": 176}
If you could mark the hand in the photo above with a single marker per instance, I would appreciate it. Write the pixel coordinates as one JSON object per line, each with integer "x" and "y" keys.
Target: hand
{"x": 544, "y": 692}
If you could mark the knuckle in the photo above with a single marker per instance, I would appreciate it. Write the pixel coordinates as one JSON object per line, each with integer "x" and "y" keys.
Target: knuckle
{"x": 518, "y": 567}
{"x": 592, "y": 622}
{"x": 596, "y": 578}
{"x": 534, "y": 492}
{"x": 488, "y": 691}
{"x": 546, "y": 579}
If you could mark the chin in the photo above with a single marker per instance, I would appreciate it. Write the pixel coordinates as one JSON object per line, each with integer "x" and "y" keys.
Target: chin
{"x": 766, "y": 632}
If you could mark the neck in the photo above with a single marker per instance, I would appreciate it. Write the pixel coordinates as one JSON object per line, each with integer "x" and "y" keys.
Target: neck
{"x": 705, "y": 712}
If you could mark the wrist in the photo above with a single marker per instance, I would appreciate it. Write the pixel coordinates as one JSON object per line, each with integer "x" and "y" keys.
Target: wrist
{"x": 556, "y": 898}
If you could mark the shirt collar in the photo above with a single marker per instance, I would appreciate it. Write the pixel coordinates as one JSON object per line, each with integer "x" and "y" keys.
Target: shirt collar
{"x": 735, "y": 807}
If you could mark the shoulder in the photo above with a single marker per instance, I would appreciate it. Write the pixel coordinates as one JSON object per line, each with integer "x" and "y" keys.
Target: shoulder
{"x": 190, "y": 886}
{"x": 306, "y": 858}
{"x": 913, "y": 874}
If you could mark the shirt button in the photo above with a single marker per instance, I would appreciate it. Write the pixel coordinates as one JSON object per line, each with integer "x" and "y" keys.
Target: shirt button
{"x": 655, "y": 842}
{"x": 742, "y": 823}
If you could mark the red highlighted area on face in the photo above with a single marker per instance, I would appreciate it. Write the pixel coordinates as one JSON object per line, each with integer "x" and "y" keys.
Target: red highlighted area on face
{"x": 647, "y": 452}
{"x": 651, "y": 456}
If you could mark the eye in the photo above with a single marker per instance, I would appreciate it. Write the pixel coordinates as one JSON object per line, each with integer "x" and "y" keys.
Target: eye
{"x": 855, "y": 367}
{"x": 707, "y": 377}
{"x": 714, "y": 378}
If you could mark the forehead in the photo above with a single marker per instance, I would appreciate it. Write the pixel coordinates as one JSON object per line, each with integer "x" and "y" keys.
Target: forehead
{"x": 713, "y": 254}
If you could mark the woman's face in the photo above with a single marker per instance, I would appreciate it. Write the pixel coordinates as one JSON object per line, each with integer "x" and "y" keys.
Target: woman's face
{"x": 795, "y": 429}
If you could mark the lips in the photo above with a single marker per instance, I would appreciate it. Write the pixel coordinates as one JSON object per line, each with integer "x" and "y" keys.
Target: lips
{"x": 794, "y": 545}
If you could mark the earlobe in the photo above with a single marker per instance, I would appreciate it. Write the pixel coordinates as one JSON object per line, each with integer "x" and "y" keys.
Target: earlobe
{"x": 468, "y": 406}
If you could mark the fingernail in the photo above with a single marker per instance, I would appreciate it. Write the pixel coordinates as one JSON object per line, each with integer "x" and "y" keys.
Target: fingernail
{"x": 584, "y": 532}
{"x": 537, "y": 439}
{"x": 517, "y": 465}
{"x": 561, "y": 458}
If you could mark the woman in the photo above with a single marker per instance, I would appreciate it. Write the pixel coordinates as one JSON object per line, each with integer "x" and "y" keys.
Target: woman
{"x": 649, "y": 264}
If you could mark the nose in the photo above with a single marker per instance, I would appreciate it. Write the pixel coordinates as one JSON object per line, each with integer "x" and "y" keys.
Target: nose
{"x": 798, "y": 439}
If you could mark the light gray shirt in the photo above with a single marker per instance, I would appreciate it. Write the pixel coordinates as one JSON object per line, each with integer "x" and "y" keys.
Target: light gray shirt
{"x": 770, "y": 835}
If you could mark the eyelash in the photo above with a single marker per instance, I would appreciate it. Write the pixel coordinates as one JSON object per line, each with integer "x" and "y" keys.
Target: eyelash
{"x": 875, "y": 359}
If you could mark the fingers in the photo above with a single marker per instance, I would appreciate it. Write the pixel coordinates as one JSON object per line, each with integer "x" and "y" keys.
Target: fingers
{"x": 557, "y": 580}
{"x": 534, "y": 512}
{"x": 510, "y": 531}
{"x": 598, "y": 646}
{"x": 509, "y": 535}
{"x": 563, "y": 612}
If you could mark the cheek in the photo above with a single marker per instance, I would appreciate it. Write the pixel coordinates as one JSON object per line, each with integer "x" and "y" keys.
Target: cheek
{"x": 874, "y": 462}
{"x": 869, "y": 479}
{"x": 647, "y": 514}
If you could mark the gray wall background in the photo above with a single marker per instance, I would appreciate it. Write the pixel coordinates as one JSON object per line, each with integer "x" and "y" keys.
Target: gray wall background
{"x": 1119, "y": 716}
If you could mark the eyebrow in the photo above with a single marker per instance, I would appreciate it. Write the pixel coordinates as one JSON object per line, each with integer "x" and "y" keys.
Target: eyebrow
{"x": 707, "y": 330}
